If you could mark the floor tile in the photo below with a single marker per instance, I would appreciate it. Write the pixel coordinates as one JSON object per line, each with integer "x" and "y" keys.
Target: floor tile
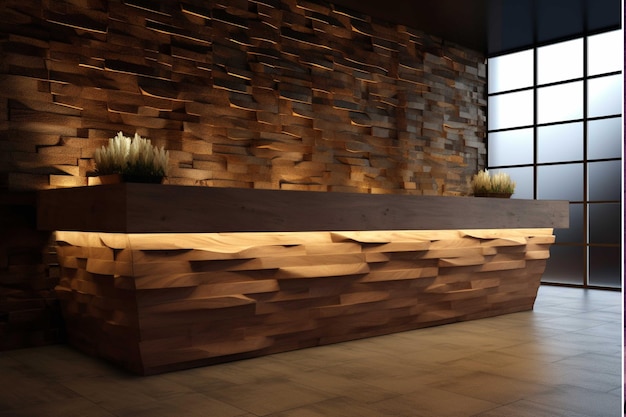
{"x": 187, "y": 405}
{"x": 431, "y": 402}
{"x": 74, "y": 407}
{"x": 491, "y": 387}
{"x": 562, "y": 359}
{"x": 524, "y": 408}
{"x": 580, "y": 400}
{"x": 270, "y": 396}
{"x": 339, "y": 407}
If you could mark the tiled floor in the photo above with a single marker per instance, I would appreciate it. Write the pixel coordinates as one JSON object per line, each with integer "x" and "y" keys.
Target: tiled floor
{"x": 562, "y": 359}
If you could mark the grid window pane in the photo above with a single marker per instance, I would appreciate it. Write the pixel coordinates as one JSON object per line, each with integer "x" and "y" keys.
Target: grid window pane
{"x": 560, "y": 103}
{"x": 604, "y": 52}
{"x": 510, "y": 110}
{"x": 604, "y": 138}
{"x": 562, "y": 131}
{"x": 605, "y": 180}
{"x": 512, "y": 147}
{"x": 510, "y": 72}
{"x": 605, "y": 223}
{"x": 605, "y": 96}
{"x": 524, "y": 180}
{"x": 560, "y": 143}
{"x": 560, "y": 62}
{"x": 565, "y": 265}
{"x": 560, "y": 182}
{"x": 574, "y": 233}
{"x": 605, "y": 267}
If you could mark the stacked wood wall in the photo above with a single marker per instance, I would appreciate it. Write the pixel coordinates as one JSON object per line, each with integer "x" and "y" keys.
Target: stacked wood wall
{"x": 246, "y": 93}
{"x": 29, "y": 309}
{"x": 278, "y": 94}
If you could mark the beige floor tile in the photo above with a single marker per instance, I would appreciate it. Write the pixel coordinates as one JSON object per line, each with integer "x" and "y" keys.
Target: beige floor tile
{"x": 431, "y": 402}
{"x": 564, "y": 359}
{"x": 187, "y": 405}
{"x": 580, "y": 400}
{"x": 487, "y": 360}
{"x": 593, "y": 380}
{"x": 493, "y": 388}
{"x": 362, "y": 391}
{"x": 74, "y": 407}
{"x": 17, "y": 391}
{"x": 335, "y": 407}
{"x": 525, "y": 408}
{"x": 269, "y": 396}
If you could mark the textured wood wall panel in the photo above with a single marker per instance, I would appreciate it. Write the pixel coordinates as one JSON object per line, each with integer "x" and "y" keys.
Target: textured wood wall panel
{"x": 282, "y": 94}
{"x": 29, "y": 271}
{"x": 159, "y": 302}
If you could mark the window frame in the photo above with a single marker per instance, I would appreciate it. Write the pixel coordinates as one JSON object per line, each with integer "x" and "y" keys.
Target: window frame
{"x": 586, "y": 202}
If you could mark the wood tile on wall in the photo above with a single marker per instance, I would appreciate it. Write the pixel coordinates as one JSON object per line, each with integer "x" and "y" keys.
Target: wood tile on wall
{"x": 261, "y": 88}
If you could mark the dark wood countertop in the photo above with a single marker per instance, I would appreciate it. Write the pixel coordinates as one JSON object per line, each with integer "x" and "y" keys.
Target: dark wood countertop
{"x": 157, "y": 208}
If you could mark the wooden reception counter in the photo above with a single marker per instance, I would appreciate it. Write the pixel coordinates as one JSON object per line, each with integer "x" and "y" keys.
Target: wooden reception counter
{"x": 158, "y": 277}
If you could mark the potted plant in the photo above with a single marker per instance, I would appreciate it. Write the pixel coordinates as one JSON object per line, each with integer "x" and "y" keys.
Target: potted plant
{"x": 134, "y": 160}
{"x": 497, "y": 185}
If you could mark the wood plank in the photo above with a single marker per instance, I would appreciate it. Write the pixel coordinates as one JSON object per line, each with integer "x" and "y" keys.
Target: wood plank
{"x": 131, "y": 208}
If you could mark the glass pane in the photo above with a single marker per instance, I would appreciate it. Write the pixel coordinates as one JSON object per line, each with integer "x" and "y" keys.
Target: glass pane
{"x": 604, "y": 52}
{"x": 605, "y": 96}
{"x": 574, "y": 234}
{"x": 605, "y": 180}
{"x": 509, "y": 72}
{"x": 560, "y": 182}
{"x": 560, "y": 62}
{"x": 560, "y": 143}
{"x": 513, "y": 147}
{"x": 510, "y": 110}
{"x": 605, "y": 267}
{"x": 605, "y": 223}
{"x": 565, "y": 265}
{"x": 524, "y": 180}
{"x": 604, "y": 138}
{"x": 560, "y": 102}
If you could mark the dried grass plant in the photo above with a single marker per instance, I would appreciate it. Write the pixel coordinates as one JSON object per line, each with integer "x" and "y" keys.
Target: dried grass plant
{"x": 136, "y": 157}
{"x": 500, "y": 183}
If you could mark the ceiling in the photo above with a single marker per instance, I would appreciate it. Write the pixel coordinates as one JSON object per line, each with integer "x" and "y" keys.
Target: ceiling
{"x": 496, "y": 26}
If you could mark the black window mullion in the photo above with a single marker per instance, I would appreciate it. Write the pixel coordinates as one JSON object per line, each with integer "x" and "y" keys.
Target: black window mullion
{"x": 585, "y": 169}
{"x": 535, "y": 119}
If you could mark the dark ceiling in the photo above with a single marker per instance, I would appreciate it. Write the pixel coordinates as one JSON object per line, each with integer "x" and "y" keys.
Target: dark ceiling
{"x": 496, "y": 26}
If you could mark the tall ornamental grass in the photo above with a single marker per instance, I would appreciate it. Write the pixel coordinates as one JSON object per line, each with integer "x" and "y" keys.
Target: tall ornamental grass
{"x": 136, "y": 157}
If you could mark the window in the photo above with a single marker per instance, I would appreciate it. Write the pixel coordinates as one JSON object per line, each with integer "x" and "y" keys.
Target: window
{"x": 555, "y": 125}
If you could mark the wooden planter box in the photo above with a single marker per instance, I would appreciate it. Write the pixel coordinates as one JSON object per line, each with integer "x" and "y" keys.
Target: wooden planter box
{"x": 147, "y": 293}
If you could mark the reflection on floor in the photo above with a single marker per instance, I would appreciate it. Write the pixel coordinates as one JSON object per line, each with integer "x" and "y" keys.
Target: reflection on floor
{"x": 562, "y": 359}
